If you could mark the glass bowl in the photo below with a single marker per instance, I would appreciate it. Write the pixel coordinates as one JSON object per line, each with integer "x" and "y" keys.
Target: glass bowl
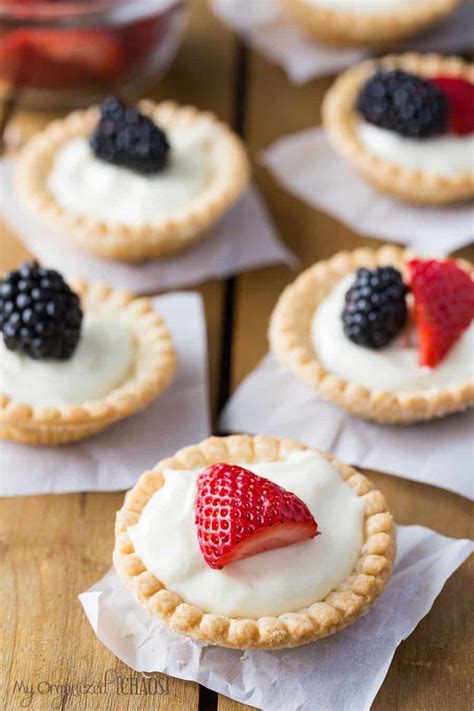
{"x": 55, "y": 52}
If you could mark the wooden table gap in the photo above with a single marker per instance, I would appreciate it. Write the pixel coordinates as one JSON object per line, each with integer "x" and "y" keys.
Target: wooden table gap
{"x": 238, "y": 123}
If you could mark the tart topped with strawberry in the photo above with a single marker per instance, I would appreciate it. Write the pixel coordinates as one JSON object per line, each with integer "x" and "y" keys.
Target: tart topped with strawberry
{"x": 366, "y": 22}
{"x": 254, "y": 542}
{"x": 75, "y": 358}
{"x": 386, "y": 335}
{"x": 406, "y": 124}
{"x": 133, "y": 182}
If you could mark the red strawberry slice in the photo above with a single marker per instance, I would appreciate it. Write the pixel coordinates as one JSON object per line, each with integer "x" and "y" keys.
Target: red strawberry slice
{"x": 460, "y": 95}
{"x": 444, "y": 306}
{"x": 240, "y": 514}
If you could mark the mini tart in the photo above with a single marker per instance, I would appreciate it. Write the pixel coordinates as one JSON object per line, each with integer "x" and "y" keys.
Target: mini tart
{"x": 345, "y": 28}
{"x": 341, "y": 607}
{"x": 290, "y": 341}
{"x": 145, "y": 241}
{"x": 155, "y": 365}
{"x": 339, "y": 121}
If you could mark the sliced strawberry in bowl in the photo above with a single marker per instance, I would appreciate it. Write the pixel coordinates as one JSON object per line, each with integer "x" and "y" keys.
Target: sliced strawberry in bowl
{"x": 460, "y": 96}
{"x": 240, "y": 514}
{"x": 63, "y": 57}
{"x": 444, "y": 306}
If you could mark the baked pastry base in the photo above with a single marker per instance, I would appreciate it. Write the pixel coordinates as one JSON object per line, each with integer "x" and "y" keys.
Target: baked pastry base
{"x": 339, "y": 120}
{"x": 336, "y": 27}
{"x": 290, "y": 341}
{"x": 146, "y": 241}
{"x": 341, "y": 607}
{"x": 153, "y": 371}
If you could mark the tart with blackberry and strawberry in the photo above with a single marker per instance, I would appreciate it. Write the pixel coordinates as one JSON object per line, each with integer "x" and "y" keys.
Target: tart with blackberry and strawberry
{"x": 385, "y": 334}
{"x": 367, "y": 22}
{"x": 254, "y": 542}
{"x": 75, "y": 358}
{"x": 406, "y": 124}
{"x": 133, "y": 183}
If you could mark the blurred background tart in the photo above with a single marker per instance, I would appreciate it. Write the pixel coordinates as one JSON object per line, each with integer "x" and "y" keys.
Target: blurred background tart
{"x": 367, "y": 22}
{"x": 406, "y": 124}
{"x": 132, "y": 183}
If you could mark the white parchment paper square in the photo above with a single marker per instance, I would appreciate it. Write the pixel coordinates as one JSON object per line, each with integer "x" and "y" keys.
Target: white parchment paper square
{"x": 271, "y": 400}
{"x": 243, "y": 239}
{"x": 342, "y": 672}
{"x": 267, "y": 27}
{"x": 115, "y": 458}
{"x": 305, "y": 164}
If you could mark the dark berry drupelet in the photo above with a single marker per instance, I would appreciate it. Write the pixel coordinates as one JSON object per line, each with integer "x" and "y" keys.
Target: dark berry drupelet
{"x": 40, "y": 315}
{"x": 375, "y": 309}
{"x": 404, "y": 103}
{"x": 127, "y": 138}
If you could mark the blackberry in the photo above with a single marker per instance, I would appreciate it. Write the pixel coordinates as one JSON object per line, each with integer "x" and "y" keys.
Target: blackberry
{"x": 404, "y": 103}
{"x": 127, "y": 138}
{"x": 375, "y": 308}
{"x": 40, "y": 315}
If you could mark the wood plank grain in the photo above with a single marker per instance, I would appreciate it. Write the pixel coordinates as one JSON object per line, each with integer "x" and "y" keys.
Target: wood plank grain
{"x": 433, "y": 668}
{"x": 54, "y": 547}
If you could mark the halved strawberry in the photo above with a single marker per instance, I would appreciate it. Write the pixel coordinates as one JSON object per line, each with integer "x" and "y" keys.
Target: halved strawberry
{"x": 444, "y": 306}
{"x": 240, "y": 514}
{"x": 460, "y": 95}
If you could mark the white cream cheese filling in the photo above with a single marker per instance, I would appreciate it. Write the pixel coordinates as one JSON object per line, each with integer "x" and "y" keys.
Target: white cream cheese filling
{"x": 366, "y": 7}
{"x": 446, "y": 155}
{"x": 86, "y": 186}
{"x": 394, "y": 367}
{"x": 270, "y": 583}
{"x": 101, "y": 362}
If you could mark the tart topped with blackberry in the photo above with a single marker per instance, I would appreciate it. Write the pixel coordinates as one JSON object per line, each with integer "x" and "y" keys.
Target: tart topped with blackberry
{"x": 254, "y": 542}
{"x": 133, "y": 182}
{"x": 406, "y": 124}
{"x": 367, "y": 22}
{"x": 75, "y": 358}
{"x": 383, "y": 333}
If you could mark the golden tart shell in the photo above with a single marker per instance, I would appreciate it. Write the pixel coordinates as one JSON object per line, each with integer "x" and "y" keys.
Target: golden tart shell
{"x": 341, "y": 607}
{"x": 339, "y": 120}
{"x": 154, "y": 369}
{"x": 290, "y": 342}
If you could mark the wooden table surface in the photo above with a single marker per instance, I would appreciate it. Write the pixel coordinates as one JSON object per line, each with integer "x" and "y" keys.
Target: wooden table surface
{"x": 54, "y": 547}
